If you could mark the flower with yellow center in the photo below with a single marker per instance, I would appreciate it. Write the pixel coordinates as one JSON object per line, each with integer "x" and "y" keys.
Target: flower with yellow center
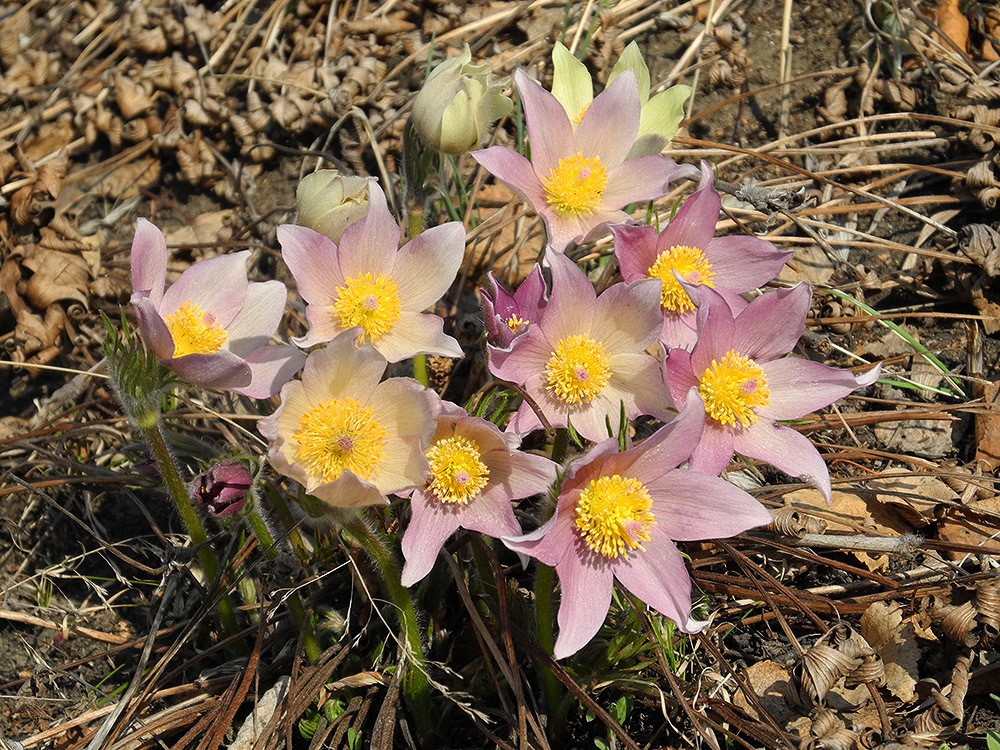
{"x": 516, "y": 323}
{"x": 370, "y": 301}
{"x": 613, "y": 515}
{"x": 576, "y": 186}
{"x": 692, "y": 266}
{"x": 340, "y": 435}
{"x": 458, "y": 473}
{"x": 578, "y": 370}
{"x": 194, "y": 331}
{"x": 732, "y": 388}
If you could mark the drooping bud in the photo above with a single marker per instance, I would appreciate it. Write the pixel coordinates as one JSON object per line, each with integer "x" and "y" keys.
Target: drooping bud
{"x": 222, "y": 490}
{"x": 456, "y": 105}
{"x": 329, "y": 201}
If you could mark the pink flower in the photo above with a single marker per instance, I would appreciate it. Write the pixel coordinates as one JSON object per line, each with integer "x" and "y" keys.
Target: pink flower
{"x": 586, "y": 356}
{"x": 689, "y": 248}
{"x": 349, "y": 439}
{"x": 507, "y": 316}
{"x": 618, "y": 516}
{"x": 223, "y": 489}
{"x": 747, "y": 383}
{"x": 212, "y": 326}
{"x": 369, "y": 282}
{"x": 475, "y": 472}
{"x": 579, "y": 181}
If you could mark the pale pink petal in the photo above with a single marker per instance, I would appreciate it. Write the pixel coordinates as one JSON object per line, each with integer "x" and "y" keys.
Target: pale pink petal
{"x": 347, "y": 491}
{"x": 609, "y": 127}
{"x": 149, "y": 261}
{"x": 638, "y": 379}
{"x": 516, "y": 171}
{"x": 324, "y": 326}
{"x": 666, "y": 448}
{"x": 405, "y": 408}
{"x": 153, "y": 328}
{"x": 586, "y": 597}
{"x": 341, "y": 370}
{"x": 744, "y": 263}
{"x": 800, "y": 386}
{"x": 525, "y": 420}
{"x": 773, "y": 323}
{"x": 431, "y": 523}
{"x": 270, "y": 368}
{"x": 256, "y": 323}
{"x": 785, "y": 449}
{"x": 492, "y": 514}
{"x": 370, "y": 245}
{"x": 680, "y": 376}
{"x": 716, "y": 330}
{"x": 715, "y": 449}
{"x": 689, "y": 506}
{"x": 553, "y": 541}
{"x": 416, "y": 333}
{"x": 678, "y": 330}
{"x": 217, "y": 285}
{"x": 635, "y": 248}
{"x": 426, "y": 266}
{"x": 222, "y": 370}
{"x": 571, "y": 306}
{"x": 657, "y": 576}
{"x": 694, "y": 223}
{"x": 549, "y": 130}
{"x": 627, "y": 317}
{"x": 523, "y": 475}
{"x": 642, "y": 179}
{"x": 312, "y": 259}
{"x": 527, "y": 356}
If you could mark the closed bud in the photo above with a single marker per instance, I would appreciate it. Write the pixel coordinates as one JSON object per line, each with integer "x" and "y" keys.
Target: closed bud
{"x": 329, "y": 201}
{"x": 222, "y": 490}
{"x": 456, "y": 105}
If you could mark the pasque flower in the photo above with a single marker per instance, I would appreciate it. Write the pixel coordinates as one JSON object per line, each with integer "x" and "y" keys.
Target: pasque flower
{"x": 475, "y": 472}
{"x": 747, "y": 383}
{"x": 349, "y": 439}
{"x": 579, "y": 180}
{"x": 212, "y": 326}
{"x": 661, "y": 115}
{"x": 222, "y": 489}
{"x": 369, "y": 282}
{"x": 506, "y": 316}
{"x": 329, "y": 202}
{"x": 688, "y": 249}
{"x": 618, "y": 516}
{"x": 585, "y": 357}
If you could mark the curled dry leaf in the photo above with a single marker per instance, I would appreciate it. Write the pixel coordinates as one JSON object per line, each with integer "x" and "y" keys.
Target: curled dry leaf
{"x": 828, "y": 732}
{"x": 980, "y": 243}
{"x": 957, "y": 622}
{"x": 790, "y": 522}
{"x": 976, "y": 525}
{"x": 55, "y": 276}
{"x": 895, "y": 641}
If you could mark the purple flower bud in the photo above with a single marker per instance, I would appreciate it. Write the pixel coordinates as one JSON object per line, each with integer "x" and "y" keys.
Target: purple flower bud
{"x": 506, "y": 316}
{"x": 222, "y": 490}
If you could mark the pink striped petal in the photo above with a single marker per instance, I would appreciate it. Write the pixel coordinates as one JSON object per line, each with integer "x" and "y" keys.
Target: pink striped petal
{"x": 149, "y": 261}
{"x": 312, "y": 259}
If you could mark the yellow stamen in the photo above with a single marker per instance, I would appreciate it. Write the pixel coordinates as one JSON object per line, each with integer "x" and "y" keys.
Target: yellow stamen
{"x": 340, "y": 435}
{"x": 576, "y": 186}
{"x": 693, "y": 267}
{"x": 370, "y": 301}
{"x": 457, "y": 472}
{"x": 613, "y": 515}
{"x": 578, "y": 117}
{"x": 578, "y": 370}
{"x": 194, "y": 331}
{"x": 732, "y": 388}
{"x": 516, "y": 324}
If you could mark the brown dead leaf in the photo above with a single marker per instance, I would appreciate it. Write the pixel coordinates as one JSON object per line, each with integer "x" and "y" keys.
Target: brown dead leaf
{"x": 768, "y": 680}
{"x": 55, "y": 276}
{"x": 988, "y": 427}
{"x": 51, "y": 137}
{"x": 811, "y": 263}
{"x": 953, "y": 23}
{"x": 127, "y": 180}
{"x": 204, "y": 229}
{"x": 960, "y": 529}
{"x": 914, "y": 497}
{"x": 882, "y": 626}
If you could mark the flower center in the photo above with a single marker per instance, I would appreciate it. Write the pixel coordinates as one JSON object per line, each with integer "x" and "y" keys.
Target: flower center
{"x": 515, "y": 323}
{"x": 194, "y": 331}
{"x": 578, "y": 370}
{"x": 691, "y": 264}
{"x": 457, "y": 472}
{"x": 340, "y": 435}
{"x": 576, "y": 186}
{"x": 613, "y": 515}
{"x": 732, "y": 388}
{"x": 370, "y": 301}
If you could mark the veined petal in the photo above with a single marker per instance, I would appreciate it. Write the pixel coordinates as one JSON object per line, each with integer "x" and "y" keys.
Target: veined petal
{"x": 586, "y": 597}
{"x": 416, "y": 333}
{"x": 149, "y": 261}
{"x": 217, "y": 285}
{"x": 643, "y": 179}
{"x": 668, "y": 447}
{"x": 571, "y": 306}
{"x": 800, "y": 386}
{"x": 551, "y": 542}
{"x": 715, "y": 449}
{"x": 153, "y": 328}
{"x": 405, "y": 467}
{"x": 405, "y": 408}
{"x": 663, "y": 113}
{"x": 682, "y": 513}
{"x": 347, "y": 491}
{"x": 678, "y": 331}
{"x": 549, "y": 130}
{"x": 627, "y": 317}
{"x": 312, "y": 259}
{"x": 341, "y": 370}
{"x": 694, "y": 223}
{"x": 680, "y": 375}
{"x": 657, "y": 575}
{"x": 773, "y": 323}
{"x": 256, "y": 322}
{"x": 572, "y": 85}
{"x": 509, "y": 166}
{"x": 324, "y": 326}
{"x": 431, "y": 523}
{"x": 742, "y": 263}
{"x": 370, "y": 244}
{"x": 427, "y": 264}
{"x": 716, "y": 329}
{"x": 631, "y": 59}
{"x": 270, "y": 368}
{"x": 784, "y": 449}
{"x": 222, "y": 370}
{"x": 635, "y": 248}
{"x": 609, "y": 127}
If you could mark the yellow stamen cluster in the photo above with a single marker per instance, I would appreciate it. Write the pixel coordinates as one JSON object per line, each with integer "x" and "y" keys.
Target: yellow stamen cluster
{"x": 693, "y": 267}
{"x": 370, "y": 301}
{"x": 578, "y": 370}
{"x": 457, "y": 472}
{"x": 194, "y": 331}
{"x": 576, "y": 186}
{"x": 578, "y": 117}
{"x": 732, "y": 388}
{"x": 614, "y": 515}
{"x": 515, "y": 323}
{"x": 340, "y": 435}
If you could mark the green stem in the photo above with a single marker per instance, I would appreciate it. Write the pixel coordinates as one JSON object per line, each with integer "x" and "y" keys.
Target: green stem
{"x": 420, "y": 370}
{"x": 416, "y": 686}
{"x": 153, "y": 433}
{"x": 295, "y": 606}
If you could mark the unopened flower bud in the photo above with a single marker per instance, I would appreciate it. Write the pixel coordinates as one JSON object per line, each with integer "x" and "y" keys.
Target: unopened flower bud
{"x": 456, "y": 105}
{"x": 222, "y": 490}
{"x": 329, "y": 201}
{"x": 506, "y": 316}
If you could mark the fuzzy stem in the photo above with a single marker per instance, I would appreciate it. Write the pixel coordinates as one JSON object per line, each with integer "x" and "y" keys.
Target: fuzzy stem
{"x": 153, "y": 433}
{"x": 416, "y": 687}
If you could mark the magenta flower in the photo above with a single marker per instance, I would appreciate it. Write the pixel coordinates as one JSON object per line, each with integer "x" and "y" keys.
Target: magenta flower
{"x": 475, "y": 472}
{"x": 747, "y": 383}
{"x": 689, "y": 248}
{"x": 212, "y": 326}
{"x": 618, "y": 516}
{"x": 349, "y": 439}
{"x": 369, "y": 282}
{"x": 586, "y": 356}
{"x": 507, "y": 316}
{"x": 579, "y": 181}
{"x": 223, "y": 489}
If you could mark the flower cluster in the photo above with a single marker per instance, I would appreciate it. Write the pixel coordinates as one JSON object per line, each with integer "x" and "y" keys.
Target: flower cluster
{"x": 679, "y": 340}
